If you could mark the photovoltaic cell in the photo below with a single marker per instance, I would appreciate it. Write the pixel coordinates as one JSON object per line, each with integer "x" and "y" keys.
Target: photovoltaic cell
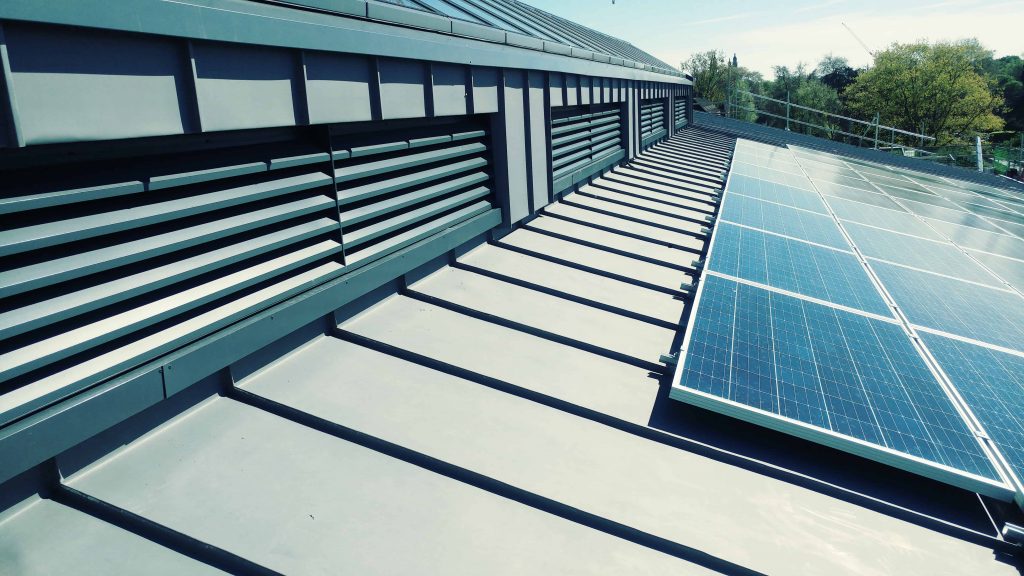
{"x": 925, "y": 198}
{"x": 941, "y": 257}
{"x": 987, "y": 314}
{"x": 788, "y": 178}
{"x": 845, "y": 192}
{"x": 995, "y": 243}
{"x": 779, "y": 193}
{"x": 844, "y": 181}
{"x": 881, "y": 218}
{"x": 1009, "y": 269}
{"x": 996, "y": 213}
{"x": 953, "y": 216}
{"x": 794, "y": 266}
{"x": 784, "y": 220}
{"x": 831, "y": 370}
{"x": 992, "y": 384}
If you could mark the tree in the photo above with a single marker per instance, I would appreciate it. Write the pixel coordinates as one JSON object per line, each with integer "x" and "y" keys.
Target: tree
{"x": 1008, "y": 74}
{"x": 936, "y": 89}
{"x": 802, "y": 88}
{"x": 836, "y": 73}
{"x": 719, "y": 80}
{"x": 709, "y": 70}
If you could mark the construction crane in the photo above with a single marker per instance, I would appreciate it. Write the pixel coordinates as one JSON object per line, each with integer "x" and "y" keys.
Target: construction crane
{"x": 857, "y": 38}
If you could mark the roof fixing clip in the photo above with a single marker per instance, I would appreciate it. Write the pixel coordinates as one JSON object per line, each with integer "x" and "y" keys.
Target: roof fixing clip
{"x": 1013, "y": 534}
{"x": 669, "y": 359}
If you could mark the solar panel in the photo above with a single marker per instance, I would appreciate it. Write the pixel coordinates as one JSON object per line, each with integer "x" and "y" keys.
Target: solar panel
{"x": 828, "y": 375}
{"x": 881, "y": 218}
{"x": 790, "y": 330}
{"x": 857, "y": 183}
{"x": 1009, "y": 269}
{"x": 823, "y": 273}
{"x": 797, "y": 180}
{"x": 779, "y": 193}
{"x": 948, "y": 215}
{"x": 972, "y": 238}
{"x": 936, "y": 256}
{"x": 784, "y": 220}
{"x": 992, "y": 383}
{"x": 923, "y": 197}
{"x": 956, "y": 307}
{"x": 856, "y": 195}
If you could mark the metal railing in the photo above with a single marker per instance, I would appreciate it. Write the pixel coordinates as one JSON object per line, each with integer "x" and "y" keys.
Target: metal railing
{"x": 785, "y": 114}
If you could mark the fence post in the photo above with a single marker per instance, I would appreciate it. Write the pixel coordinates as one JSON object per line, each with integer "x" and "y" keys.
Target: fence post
{"x": 977, "y": 148}
{"x": 877, "y": 120}
{"x": 787, "y": 110}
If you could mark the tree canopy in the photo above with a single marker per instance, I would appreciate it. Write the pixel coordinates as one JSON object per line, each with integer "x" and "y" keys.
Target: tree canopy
{"x": 949, "y": 90}
{"x": 936, "y": 89}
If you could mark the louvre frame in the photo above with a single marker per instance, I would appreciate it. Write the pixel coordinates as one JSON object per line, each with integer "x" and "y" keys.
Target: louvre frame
{"x": 652, "y": 121}
{"x": 584, "y": 140}
{"x": 109, "y": 262}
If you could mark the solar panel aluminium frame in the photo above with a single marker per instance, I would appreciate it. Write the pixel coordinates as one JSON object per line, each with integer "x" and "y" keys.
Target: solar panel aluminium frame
{"x": 1005, "y": 490}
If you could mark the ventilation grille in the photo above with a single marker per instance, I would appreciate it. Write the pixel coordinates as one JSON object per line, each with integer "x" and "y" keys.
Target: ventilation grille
{"x": 680, "y": 112}
{"x": 106, "y": 262}
{"x": 393, "y": 192}
{"x": 584, "y": 140}
{"x": 652, "y": 121}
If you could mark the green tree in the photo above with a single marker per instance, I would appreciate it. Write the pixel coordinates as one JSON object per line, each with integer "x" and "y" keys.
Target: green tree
{"x": 836, "y": 73}
{"x": 709, "y": 70}
{"x": 804, "y": 89}
{"x": 937, "y": 89}
{"x": 718, "y": 80}
{"x": 1008, "y": 74}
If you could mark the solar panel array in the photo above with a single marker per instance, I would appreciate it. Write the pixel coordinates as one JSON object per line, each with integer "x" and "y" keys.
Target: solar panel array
{"x": 873, "y": 309}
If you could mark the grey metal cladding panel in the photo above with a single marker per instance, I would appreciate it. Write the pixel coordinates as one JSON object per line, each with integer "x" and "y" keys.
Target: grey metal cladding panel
{"x": 557, "y": 48}
{"x": 515, "y": 144}
{"x": 588, "y": 285}
{"x": 338, "y": 87}
{"x": 524, "y": 41}
{"x": 585, "y": 94}
{"x": 675, "y": 494}
{"x": 353, "y": 7}
{"x": 556, "y": 87}
{"x": 402, "y": 92}
{"x": 556, "y": 370}
{"x": 33, "y": 440}
{"x": 240, "y": 86}
{"x": 50, "y": 538}
{"x": 306, "y": 502}
{"x": 477, "y": 31}
{"x": 407, "y": 16}
{"x": 449, "y": 89}
{"x": 572, "y": 90}
{"x": 485, "y": 90}
{"x": 74, "y": 84}
{"x": 579, "y": 322}
{"x": 256, "y": 23}
{"x": 538, "y": 139}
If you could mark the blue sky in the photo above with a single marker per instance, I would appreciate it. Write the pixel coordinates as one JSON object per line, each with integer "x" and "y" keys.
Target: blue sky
{"x": 788, "y": 32}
